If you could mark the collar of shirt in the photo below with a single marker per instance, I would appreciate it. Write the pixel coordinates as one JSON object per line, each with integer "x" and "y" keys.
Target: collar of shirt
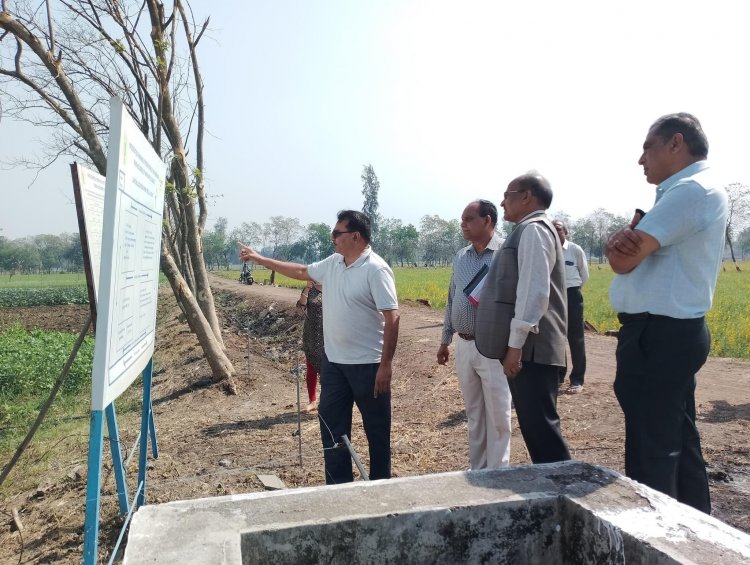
{"x": 688, "y": 171}
{"x": 361, "y": 259}
{"x": 566, "y": 244}
{"x": 495, "y": 243}
{"x": 527, "y": 216}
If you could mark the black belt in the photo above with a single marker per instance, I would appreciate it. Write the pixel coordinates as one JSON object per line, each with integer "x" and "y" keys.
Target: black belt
{"x": 467, "y": 337}
{"x": 640, "y": 316}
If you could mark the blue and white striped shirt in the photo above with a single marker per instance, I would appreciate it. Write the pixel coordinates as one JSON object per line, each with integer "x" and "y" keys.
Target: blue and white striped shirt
{"x": 459, "y": 312}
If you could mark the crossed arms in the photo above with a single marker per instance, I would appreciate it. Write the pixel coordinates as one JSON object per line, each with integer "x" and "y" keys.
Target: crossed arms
{"x": 628, "y": 247}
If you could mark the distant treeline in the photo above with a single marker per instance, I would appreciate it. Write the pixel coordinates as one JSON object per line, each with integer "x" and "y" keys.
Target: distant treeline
{"x": 41, "y": 254}
{"x": 433, "y": 243}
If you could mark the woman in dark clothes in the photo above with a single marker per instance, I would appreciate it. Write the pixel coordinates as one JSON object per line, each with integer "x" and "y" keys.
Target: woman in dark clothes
{"x": 311, "y": 300}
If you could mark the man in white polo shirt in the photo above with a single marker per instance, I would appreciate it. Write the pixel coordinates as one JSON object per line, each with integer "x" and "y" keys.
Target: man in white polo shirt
{"x": 360, "y": 331}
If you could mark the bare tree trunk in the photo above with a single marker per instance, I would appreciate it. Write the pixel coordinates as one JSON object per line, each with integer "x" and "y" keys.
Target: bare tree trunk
{"x": 731, "y": 249}
{"x": 221, "y": 366}
{"x": 181, "y": 173}
{"x": 140, "y": 72}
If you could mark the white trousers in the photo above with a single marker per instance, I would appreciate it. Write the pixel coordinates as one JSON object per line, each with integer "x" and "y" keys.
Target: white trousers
{"x": 487, "y": 401}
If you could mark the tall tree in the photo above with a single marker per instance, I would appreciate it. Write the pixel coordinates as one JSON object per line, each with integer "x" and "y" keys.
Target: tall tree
{"x": 602, "y": 225}
{"x": 370, "y": 189}
{"x": 51, "y": 249}
{"x": 61, "y": 67}
{"x": 738, "y": 196}
{"x": 562, "y": 216}
{"x": 215, "y": 249}
{"x": 318, "y": 244}
{"x": 386, "y": 242}
{"x": 248, "y": 233}
{"x": 280, "y": 233}
{"x": 405, "y": 243}
{"x": 743, "y": 240}
{"x": 583, "y": 232}
{"x": 73, "y": 254}
{"x": 439, "y": 239}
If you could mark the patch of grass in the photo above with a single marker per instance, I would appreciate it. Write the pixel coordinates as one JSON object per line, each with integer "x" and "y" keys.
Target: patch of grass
{"x": 423, "y": 284}
{"x": 729, "y": 318}
{"x": 43, "y": 280}
{"x": 67, "y": 419}
{"x": 597, "y": 309}
{"x": 30, "y": 362}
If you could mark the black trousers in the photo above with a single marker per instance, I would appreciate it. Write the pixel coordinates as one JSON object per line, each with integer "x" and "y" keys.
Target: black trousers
{"x": 534, "y": 392}
{"x": 575, "y": 337}
{"x": 340, "y": 387}
{"x": 657, "y": 360}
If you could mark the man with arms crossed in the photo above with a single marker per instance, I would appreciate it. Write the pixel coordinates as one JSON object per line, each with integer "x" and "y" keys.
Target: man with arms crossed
{"x": 360, "y": 331}
{"x": 483, "y": 384}
{"x": 576, "y": 275}
{"x": 667, "y": 265}
{"x": 521, "y": 318}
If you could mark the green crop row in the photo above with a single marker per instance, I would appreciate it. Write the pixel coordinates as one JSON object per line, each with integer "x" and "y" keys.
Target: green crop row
{"x": 56, "y": 296}
{"x": 43, "y": 280}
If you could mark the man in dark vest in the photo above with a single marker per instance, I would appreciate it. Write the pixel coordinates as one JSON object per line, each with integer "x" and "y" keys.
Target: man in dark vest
{"x": 521, "y": 318}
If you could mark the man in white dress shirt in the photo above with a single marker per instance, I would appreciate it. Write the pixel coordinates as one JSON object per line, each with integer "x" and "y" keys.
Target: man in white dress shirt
{"x": 576, "y": 275}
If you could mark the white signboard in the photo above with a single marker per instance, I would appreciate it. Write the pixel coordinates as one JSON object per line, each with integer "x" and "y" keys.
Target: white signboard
{"x": 91, "y": 186}
{"x": 129, "y": 276}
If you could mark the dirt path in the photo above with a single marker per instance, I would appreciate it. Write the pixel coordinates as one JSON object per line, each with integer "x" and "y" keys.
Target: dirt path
{"x": 214, "y": 444}
{"x": 428, "y": 410}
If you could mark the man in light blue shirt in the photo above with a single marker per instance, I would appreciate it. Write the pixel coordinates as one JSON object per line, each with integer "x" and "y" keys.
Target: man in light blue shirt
{"x": 667, "y": 263}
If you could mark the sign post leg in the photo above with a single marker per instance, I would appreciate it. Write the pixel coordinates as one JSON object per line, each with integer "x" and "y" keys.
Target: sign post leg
{"x": 93, "y": 488}
{"x": 146, "y": 419}
{"x": 117, "y": 463}
{"x": 152, "y": 427}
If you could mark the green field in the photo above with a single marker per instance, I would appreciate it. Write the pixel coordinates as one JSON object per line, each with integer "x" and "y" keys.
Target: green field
{"x": 729, "y": 320}
{"x": 43, "y": 281}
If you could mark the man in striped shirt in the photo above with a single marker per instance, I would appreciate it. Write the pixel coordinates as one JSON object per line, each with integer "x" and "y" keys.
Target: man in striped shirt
{"x": 483, "y": 383}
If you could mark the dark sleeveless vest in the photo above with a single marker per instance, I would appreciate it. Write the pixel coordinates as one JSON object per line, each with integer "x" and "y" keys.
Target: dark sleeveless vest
{"x": 498, "y": 301}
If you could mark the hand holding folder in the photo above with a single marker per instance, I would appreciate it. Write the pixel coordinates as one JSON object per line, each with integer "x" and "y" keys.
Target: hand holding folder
{"x": 474, "y": 288}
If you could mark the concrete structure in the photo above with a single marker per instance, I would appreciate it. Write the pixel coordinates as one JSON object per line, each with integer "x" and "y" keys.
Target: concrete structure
{"x": 558, "y": 513}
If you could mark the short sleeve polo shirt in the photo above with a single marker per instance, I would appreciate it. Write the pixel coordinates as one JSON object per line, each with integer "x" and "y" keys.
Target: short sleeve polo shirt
{"x": 353, "y": 298}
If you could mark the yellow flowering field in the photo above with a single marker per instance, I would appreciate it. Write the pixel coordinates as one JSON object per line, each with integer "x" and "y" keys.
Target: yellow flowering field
{"x": 729, "y": 319}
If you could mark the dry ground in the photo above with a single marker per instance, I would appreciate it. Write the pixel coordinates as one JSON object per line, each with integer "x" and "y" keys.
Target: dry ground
{"x": 212, "y": 444}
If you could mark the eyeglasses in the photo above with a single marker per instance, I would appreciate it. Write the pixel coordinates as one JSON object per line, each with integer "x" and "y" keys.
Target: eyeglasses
{"x": 336, "y": 233}
{"x": 507, "y": 192}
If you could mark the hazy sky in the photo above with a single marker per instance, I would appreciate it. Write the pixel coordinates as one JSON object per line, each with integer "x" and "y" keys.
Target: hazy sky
{"x": 448, "y": 101}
